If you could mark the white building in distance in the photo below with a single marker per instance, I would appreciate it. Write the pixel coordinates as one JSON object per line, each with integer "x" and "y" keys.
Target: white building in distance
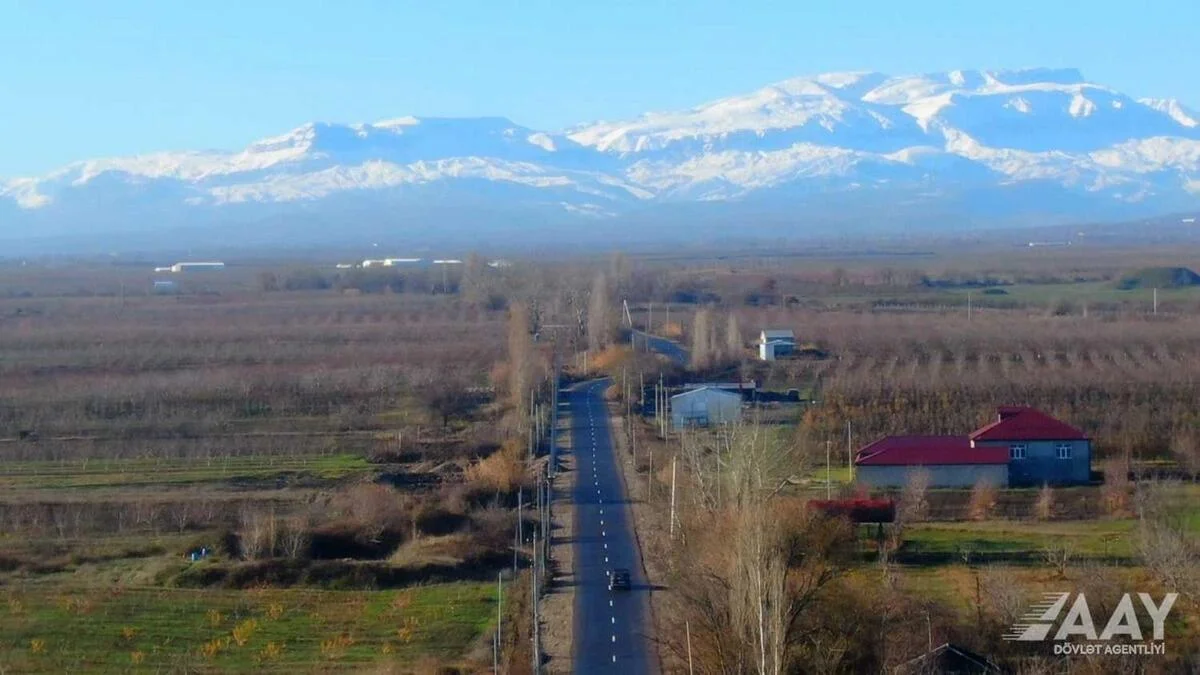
{"x": 775, "y": 343}
{"x": 197, "y": 267}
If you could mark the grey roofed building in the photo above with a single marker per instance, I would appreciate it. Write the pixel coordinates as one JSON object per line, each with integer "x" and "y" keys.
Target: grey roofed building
{"x": 705, "y": 406}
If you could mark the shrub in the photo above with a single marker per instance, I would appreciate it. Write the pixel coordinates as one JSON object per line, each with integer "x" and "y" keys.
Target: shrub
{"x": 502, "y": 472}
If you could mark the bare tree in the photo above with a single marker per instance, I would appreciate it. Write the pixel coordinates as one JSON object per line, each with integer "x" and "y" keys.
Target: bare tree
{"x": 1167, "y": 545}
{"x": 1043, "y": 508}
{"x": 733, "y": 337}
{"x": 295, "y": 535}
{"x": 983, "y": 500}
{"x": 1117, "y": 489}
{"x": 1058, "y": 554}
{"x": 1186, "y": 448}
{"x": 520, "y": 361}
{"x": 445, "y": 395}
{"x": 600, "y": 317}
{"x": 914, "y": 502}
{"x": 702, "y": 356}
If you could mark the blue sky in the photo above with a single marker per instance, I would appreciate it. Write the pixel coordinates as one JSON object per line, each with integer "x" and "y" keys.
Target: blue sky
{"x": 89, "y": 79}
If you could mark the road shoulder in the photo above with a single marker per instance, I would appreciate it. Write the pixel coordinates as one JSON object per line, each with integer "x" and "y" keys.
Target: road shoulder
{"x": 645, "y": 520}
{"x": 558, "y": 605}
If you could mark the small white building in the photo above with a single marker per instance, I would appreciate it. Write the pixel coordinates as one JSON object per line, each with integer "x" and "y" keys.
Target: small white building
{"x": 775, "y": 343}
{"x": 705, "y": 406}
{"x": 197, "y": 267}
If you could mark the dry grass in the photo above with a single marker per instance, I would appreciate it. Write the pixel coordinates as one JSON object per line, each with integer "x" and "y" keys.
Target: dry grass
{"x": 501, "y": 472}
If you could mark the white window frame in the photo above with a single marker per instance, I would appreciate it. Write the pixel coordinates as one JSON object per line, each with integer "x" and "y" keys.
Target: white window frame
{"x": 1018, "y": 451}
{"x": 1063, "y": 450}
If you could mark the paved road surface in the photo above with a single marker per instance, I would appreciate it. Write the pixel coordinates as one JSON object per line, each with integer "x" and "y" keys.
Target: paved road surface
{"x": 610, "y": 626}
{"x": 668, "y": 348}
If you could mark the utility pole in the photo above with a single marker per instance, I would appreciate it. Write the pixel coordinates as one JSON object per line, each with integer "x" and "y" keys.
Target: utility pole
{"x": 650, "y": 475}
{"x": 537, "y": 647}
{"x": 968, "y": 306}
{"x": 667, "y": 325}
{"x": 1156, "y": 301}
{"x": 499, "y": 620}
{"x": 650, "y": 321}
{"x": 672, "y": 528}
{"x": 849, "y": 451}
{"x": 687, "y": 627}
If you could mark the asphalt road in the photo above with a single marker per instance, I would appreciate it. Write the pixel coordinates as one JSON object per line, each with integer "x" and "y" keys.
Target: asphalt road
{"x": 610, "y": 626}
{"x": 668, "y": 348}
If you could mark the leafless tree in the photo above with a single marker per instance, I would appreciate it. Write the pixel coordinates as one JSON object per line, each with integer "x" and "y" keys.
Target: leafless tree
{"x": 1186, "y": 448}
{"x": 1166, "y": 543}
{"x": 733, "y": 337}
{"x": 914, "y": 501}
{"x": 1043, "y": 508}
{"x": 1058, "y": 554}
{"x": 600, "y": 317}
{"x": 983, "y": 500}
{"x": 702, "y": 352}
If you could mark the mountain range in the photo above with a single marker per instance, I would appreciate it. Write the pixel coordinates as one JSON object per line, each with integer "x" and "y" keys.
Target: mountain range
{"x": 809, "y": 155}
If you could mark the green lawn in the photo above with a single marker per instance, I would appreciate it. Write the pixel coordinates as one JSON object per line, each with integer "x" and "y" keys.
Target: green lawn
{"x": 1093, "y": 291}
{"x": 97, "y": 473}
{"x": 282, "y": 630}
{"x": 1083, "y": 537}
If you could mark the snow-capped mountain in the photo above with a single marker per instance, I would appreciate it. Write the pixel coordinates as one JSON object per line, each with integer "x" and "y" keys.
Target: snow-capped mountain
{"x": 967, "y": 145}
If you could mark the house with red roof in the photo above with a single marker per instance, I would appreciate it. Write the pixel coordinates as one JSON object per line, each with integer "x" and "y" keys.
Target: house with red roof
{"x": 1023, "y": 446}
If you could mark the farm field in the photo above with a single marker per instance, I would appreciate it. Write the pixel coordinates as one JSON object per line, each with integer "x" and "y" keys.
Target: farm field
{"x": 308, "y": 470}
{"x": 65, "y": 629}
{"x": 242, "y": 477}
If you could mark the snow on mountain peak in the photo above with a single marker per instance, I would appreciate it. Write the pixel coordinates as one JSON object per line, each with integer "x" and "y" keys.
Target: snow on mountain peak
{"x": 1025, "y": 76}
{"x": 857, "y": 130}
{"x": 1081, "y": 106}
{"x": 397, "y": 123}
{"x": 1173, "y": 108}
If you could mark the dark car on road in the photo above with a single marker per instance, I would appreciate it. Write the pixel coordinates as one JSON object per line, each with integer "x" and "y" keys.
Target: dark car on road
{"x": 618, "y": 580}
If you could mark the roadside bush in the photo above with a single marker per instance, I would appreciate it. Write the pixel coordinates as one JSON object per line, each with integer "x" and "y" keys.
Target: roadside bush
{"x": 500, "y": 473}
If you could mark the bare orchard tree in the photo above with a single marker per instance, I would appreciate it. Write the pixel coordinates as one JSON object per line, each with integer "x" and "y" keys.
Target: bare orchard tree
{"x": 1166, "y": 543}
{"x": 445, "y": 394}
{"x": 1186, "y": 447}
{"x": 295, "y": 535}
{"x": 983, "y": 500}
{"x": 914, "y": 501}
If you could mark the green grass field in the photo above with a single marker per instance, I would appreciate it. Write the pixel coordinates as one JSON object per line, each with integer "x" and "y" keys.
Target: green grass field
{"x": 97, "y": 473}
{"x": 1092, "y": 291}
{"x": 1084, "y": 538}
{"x": 280, "y": 630}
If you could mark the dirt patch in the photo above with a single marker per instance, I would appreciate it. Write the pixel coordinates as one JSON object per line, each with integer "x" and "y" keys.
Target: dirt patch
{"x": 558, "y": 606}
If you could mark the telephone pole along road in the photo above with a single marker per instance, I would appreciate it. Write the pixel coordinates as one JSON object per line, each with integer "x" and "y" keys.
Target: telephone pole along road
{"x": 610, "y": 626}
